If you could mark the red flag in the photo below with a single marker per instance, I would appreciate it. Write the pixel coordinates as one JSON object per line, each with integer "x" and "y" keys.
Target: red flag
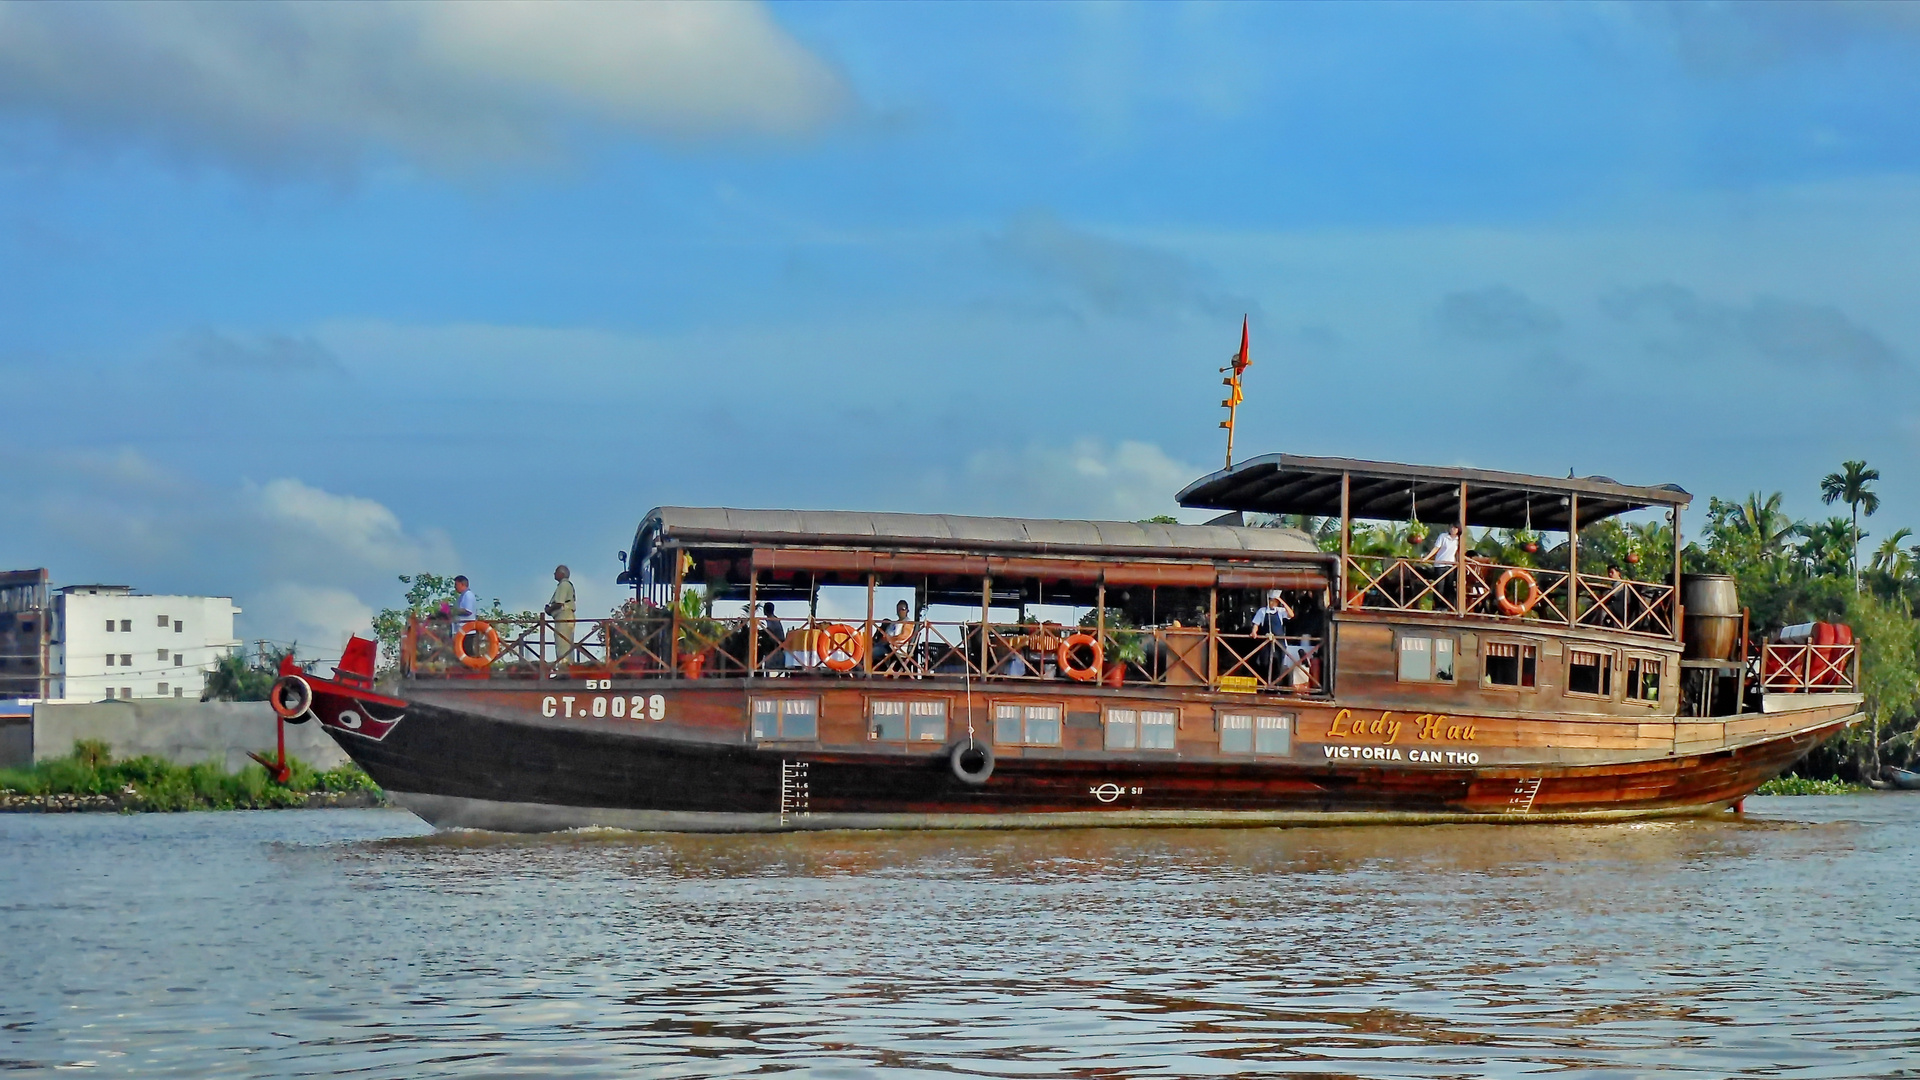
{"x": 1243, "y": 361}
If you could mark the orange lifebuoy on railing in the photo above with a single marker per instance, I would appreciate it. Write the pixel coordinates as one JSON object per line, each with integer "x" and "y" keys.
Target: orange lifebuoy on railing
{"x": 486, "y": 630}
{"x": 839, "y": 646}
{"x": 1065, "y": 656}
{"x": 1509, "y": 607}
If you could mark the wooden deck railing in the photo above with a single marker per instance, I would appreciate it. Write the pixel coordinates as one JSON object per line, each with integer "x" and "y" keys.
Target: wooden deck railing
{"x": 1494, "y": 590}
{"x": 1009, "y": 653}
{"x": 1805, "y": 669}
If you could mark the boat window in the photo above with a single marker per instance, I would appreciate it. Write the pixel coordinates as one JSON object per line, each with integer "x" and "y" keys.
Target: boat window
{"x": 1589, "y": 672}
{"x": 1028, "y": 725}
{"x": 785, "y": 718}
{"x": 1272, "y": 734}
{"x": 1643, "y": 678}
{"x": 1510, "y": 663}
{"x": 927, "y": 721}
{"x": 1141, "y": 729}
{"x": 887, "y": 721}
{"x": 1236, "y": 733}
{"x": 1426, "y": 658}
{"x": 1157, "y": 727}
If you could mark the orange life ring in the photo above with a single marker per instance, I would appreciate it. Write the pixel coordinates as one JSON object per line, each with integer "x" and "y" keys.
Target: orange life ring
{"x": 839, "y": 646}
{"x": 1508, "y": 607}
{"x": 1065, "y": 656}
{"x": 477, "y": 626}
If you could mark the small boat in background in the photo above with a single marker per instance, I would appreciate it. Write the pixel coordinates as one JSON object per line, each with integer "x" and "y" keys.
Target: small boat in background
{"x": 1904, "y": 780}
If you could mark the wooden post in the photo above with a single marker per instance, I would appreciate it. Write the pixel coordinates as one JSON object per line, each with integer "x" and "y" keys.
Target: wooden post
{"x": 1346, "y": 535}
{"x": 866, "y": 654}
{"x": 1678, "y": 613}
{"x": 1213, "y": 636}
{"x": 1460, "y": 554}
{"x": 1573, "y": 558}
{"x": 1100, "y": 616}
{"x": 986, "y": 612}
{"x": 753, "y": 618}
{"x": 673, "y": 636}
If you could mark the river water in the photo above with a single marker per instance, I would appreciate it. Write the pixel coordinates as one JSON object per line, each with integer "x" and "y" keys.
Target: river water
{"x": 319, "y": 943}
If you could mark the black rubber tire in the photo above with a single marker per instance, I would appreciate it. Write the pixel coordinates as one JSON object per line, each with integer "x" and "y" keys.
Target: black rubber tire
{"x": 967, "y": 749}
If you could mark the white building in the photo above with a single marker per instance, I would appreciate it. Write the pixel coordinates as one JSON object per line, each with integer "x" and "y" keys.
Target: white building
{"x": 109, "y": 642}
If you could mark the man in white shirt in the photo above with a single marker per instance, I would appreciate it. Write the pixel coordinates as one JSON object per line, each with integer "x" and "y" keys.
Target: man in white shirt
{"x": 465, "y": 608}
{"x": 1446, "y": 550}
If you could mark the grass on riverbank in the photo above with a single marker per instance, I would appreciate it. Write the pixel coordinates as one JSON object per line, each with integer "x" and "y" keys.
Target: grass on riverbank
{"x": 149, "y": 783}
{"x": 1801, "y": 785}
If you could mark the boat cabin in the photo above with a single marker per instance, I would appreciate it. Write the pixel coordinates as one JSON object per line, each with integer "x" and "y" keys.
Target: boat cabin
{"x": 1336, "y": 615}
{"x": 912, "y": 596}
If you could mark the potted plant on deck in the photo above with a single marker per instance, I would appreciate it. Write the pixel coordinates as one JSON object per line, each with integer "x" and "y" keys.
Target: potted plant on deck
{"x": 699, "y": 631}
{"x": 1129, "y": 647}
{"x": 1124, "y": 645}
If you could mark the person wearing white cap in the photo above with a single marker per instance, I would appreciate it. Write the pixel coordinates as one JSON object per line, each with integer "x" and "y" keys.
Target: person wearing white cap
{"x": 1271, "y": 622}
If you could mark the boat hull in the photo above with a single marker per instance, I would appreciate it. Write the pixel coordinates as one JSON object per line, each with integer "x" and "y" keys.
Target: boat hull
{"x": 471, "y": 762}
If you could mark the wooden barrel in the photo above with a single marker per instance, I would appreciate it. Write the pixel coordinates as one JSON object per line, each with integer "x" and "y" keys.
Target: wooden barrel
{"x": 1712, "y": 604}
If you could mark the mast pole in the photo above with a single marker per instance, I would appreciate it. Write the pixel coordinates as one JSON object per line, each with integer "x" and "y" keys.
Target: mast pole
{"x": 1234, "y": 369}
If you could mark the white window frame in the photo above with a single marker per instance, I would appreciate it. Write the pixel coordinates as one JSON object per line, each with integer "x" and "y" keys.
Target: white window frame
{"x": 1257, "y": 722}
{"x": 784, "y": 705}
{"x": 1136, "y": 726}
{"x": 1025, "y": 717}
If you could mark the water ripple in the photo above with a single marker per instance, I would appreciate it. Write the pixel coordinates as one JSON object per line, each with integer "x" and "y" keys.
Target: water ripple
{"x": 336, "y": 943}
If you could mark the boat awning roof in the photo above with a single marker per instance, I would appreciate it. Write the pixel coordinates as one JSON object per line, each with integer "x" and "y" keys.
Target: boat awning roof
{"x": 1388, "y": 491}
{"x": 722, "y": 527}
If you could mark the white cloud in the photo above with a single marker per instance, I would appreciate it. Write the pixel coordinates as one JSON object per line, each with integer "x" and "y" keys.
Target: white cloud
{"x": 1088, "y": 479}
{"x": 363, "y": 530}
{"x": 280, "y": 84}
{"x": 318, "y": 618}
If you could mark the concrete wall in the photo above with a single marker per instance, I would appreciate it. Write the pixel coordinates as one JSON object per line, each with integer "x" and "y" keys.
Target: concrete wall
{"x": 183, "y": 732}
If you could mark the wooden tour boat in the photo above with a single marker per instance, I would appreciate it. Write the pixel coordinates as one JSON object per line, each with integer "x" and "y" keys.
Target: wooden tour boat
{"x": 1072, "y": 673}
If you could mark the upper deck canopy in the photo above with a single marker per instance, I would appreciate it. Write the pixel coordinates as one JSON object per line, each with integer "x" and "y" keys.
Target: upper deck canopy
{"x": 1388, "y": 491}
{"x": 717, "y": 527}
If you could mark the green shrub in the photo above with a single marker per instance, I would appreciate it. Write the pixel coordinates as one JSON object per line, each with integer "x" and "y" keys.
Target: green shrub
{"x": 1801, "y": 785}
{"x": 161, "y": 785}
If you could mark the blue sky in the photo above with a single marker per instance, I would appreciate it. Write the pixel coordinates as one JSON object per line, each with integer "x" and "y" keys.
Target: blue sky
{"x": 294, "y": 299}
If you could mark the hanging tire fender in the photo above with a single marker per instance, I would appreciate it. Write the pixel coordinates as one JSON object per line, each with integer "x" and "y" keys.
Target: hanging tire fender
{"x": 970, "y": 761}
{"x": 291, "y": 698}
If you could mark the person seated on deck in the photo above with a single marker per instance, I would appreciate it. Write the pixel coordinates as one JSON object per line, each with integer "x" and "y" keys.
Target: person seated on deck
{"x": 1614, "y": 598}
{"x": 893, "y": 643}
{"x": 1480, "y": 600}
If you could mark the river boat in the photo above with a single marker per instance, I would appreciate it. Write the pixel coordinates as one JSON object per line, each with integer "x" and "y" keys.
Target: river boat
{"x": 1096, "y": 673}
{"x": 1904, "y": 779}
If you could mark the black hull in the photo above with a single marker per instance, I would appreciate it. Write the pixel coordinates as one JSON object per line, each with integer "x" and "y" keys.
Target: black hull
{"x": 460, "y": 768}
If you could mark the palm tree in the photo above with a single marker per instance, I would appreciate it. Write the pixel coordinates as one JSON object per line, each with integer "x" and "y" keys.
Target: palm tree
{"x": 1826, "y": 550}
{"x": 1892, "y": 561}
{"x": 1761, "y": 518}
{"x": 1849, "y": 485}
